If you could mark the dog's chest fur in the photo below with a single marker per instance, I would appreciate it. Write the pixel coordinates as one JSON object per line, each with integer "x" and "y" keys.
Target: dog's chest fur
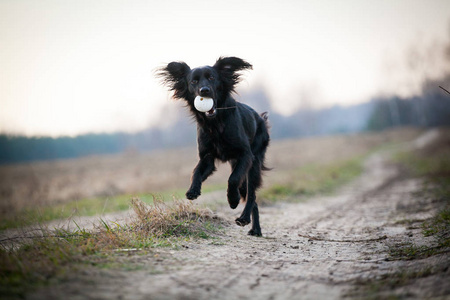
{"x": 222, "y": 147}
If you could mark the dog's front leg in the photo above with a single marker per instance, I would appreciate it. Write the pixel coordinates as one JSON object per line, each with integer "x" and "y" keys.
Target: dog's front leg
{"x": 237, "y": 177}
{"x": 204, "y": 168}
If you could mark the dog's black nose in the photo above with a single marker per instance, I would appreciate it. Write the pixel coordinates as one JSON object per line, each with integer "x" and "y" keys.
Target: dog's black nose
{"x": 205, "y": 91}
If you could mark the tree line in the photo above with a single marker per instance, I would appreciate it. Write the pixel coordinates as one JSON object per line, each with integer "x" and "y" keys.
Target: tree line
{"x": 430, "y": 109}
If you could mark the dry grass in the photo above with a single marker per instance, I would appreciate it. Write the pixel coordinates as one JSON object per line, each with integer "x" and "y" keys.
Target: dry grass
{"x": 43, "y": 184}
{"x": 151, "y": 225}
{"x": 44, "y": 191}
{"x": 180, "y": 218}
{"x": 312, "y": 179}
{"x": 62, "y": 181}
{"x": 55, "y": 252}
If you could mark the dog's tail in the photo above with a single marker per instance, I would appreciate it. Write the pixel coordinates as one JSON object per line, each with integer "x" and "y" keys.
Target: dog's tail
{"x": 265, "y": 117}
{"x": 265, "y": 168}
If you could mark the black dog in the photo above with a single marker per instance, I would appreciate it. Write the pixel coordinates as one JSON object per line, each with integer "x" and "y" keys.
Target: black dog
{"x": 230, "y": 131}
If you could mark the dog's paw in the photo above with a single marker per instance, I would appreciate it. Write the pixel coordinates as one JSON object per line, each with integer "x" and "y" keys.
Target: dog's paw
{"x": 255, "y": 232}
{"x": 242, "y": 221}
{"x": 192, "y": 194}
{"x": 233, "y": 198}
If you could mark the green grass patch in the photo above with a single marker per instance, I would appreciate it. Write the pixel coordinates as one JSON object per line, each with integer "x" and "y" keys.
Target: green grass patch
{"x": 59, "y": 251}
{"x": 85, "y": 207}
{"x": 410, "y": 251}
{"x": 385, "y": 287}
{"x": 432, "y": 166}
{"x": 439, "y": 227}
{"x": 34, "y": 265}
{"x": 314, "y": 179}
{"x": 435, "y": 169}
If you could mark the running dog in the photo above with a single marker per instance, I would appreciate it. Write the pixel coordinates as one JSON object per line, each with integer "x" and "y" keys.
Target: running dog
{"x": 229, "y": 131}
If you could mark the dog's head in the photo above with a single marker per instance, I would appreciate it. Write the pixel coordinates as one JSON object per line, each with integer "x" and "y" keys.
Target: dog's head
{"x": 216, "y": 82}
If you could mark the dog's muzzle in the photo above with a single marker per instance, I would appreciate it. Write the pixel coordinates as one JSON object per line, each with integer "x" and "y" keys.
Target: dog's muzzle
{"x": 211, "y": 113}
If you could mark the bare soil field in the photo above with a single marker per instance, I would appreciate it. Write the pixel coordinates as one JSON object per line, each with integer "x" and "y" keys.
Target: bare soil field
{"x": 325, "y": 247}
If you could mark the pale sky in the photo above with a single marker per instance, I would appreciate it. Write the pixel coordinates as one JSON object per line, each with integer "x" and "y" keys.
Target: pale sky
{"x": 71, "y": 67}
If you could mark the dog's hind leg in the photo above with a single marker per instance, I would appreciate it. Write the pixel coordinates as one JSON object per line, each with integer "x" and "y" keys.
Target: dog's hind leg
{"x": 254, "y": 181}
{"x": 256, "y": 228}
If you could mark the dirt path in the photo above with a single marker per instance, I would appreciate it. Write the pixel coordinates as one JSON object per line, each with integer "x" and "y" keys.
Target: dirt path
{"x": 320, "y": 249}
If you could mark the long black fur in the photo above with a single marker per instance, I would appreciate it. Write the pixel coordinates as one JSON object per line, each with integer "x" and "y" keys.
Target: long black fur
{"x": 231, "y": 132}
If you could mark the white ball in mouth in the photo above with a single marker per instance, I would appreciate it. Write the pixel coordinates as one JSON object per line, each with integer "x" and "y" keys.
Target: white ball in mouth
{"x": 203, "y": 104}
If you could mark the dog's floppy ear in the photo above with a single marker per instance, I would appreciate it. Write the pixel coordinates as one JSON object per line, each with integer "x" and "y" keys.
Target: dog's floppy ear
{"x": 228, "y": 68}
{"x": 174, "y": 76}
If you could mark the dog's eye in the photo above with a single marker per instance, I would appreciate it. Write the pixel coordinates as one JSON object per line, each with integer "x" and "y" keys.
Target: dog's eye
{"x": 194, "y": 81}
{"x": 211, "y": 78}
